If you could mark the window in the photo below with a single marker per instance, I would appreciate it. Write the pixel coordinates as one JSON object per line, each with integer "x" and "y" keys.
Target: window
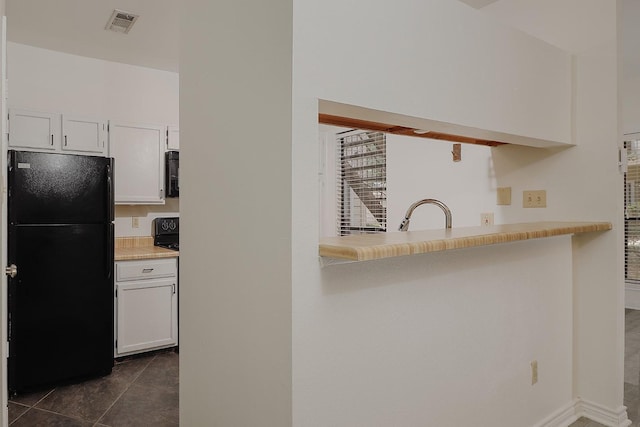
{"x": 632, "y": 211}
{"x": 362, "y": 182}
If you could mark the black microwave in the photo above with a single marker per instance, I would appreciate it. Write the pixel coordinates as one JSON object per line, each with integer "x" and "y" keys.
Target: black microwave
{"x": 172, "y": 170}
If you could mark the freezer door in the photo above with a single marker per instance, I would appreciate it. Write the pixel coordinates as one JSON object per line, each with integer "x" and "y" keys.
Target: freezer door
{"x": 60, "y": 304}
{"x": 48, "y": 188}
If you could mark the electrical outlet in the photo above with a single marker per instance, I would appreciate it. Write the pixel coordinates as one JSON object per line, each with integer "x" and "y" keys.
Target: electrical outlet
{"x": 135, "y": 222}
{"x": 534, "y": 372}
{"x": 503, "y": 196}
{"x": 534, "y": 199}
{"x": 486, "y": 218}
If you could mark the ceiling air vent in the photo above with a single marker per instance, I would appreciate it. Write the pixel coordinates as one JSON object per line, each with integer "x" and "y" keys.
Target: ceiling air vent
{"x": 121, "y": 21}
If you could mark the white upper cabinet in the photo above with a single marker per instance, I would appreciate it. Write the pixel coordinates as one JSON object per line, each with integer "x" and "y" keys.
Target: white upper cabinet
{"x": 62, "y": 133}
{"x": 34, "y": 130}
{"x": 173, "y": 138}
{"x": 84, "y": 134}
{"x": 138, "y": 150}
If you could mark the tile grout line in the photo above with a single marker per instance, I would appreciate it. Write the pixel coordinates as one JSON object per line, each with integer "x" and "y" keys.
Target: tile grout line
{"x": 124, "y": 391}
{"x": 21, "y": 415}
{"x": 51, "y": 412}
{"x": 30, "y": 407}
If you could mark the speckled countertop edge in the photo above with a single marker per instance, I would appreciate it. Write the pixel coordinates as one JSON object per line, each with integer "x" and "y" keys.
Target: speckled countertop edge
{"x": 132, "y": 248}
{"x": 386, "y": 245}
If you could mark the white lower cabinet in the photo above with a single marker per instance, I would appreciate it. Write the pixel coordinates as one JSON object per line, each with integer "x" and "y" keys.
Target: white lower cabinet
{"x": 146, "y": 308}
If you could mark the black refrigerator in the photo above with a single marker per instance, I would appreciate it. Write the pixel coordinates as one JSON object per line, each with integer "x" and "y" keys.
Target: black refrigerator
{"x": 60, "y": 239}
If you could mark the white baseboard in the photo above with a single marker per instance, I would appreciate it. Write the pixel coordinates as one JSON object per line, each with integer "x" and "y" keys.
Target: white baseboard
{"x": 606, "y": 416}
{"x": 563, "y": 417}
{"x": 632, "y": 296}
{"x": 581, "y": 408}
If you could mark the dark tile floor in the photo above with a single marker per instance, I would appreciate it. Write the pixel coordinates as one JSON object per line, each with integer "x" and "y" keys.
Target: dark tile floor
{"x": 141, "y": 391}
{"x": 631, "y": 371}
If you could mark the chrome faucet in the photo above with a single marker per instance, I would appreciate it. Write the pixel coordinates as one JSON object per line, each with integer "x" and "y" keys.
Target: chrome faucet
{"x": 404, "y": 226}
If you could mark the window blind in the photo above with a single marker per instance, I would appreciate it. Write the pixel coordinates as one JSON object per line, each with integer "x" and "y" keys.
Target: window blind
{"x": 632, "y": 211}
{"x": 362, "y": 182}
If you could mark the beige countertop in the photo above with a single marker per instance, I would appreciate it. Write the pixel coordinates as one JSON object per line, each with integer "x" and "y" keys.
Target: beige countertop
{"x": 386, "y": 245}
{"x": 128, "y": 248}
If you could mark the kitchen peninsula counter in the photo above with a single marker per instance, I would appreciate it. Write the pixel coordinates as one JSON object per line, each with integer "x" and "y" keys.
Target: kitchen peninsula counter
{"x": 131, "y": 248}
{"x": 393, "y": 244}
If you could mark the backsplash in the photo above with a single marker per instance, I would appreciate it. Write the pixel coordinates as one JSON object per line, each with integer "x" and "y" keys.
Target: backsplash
{"x": 145, "y": 214}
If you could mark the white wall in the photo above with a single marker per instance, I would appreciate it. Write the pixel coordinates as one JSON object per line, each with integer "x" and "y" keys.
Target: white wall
{"x": 145, "y": 216}
{"x": 412, "y": 59}
{"x": 235, "y": 251}
{"x": 631, "y": 104}
{"x": 46, "y": 80}
{"x": 359, "y": 339}
{"x": 440, "y": 339}
{"x": 419, "y": 168}
{"x": 585, "y": 184}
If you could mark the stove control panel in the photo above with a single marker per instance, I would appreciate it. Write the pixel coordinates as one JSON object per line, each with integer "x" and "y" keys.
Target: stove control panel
{"x": 167, "y": 225}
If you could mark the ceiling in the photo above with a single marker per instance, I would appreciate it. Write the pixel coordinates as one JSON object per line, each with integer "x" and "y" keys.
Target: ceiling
{"x": 78, "y": 27}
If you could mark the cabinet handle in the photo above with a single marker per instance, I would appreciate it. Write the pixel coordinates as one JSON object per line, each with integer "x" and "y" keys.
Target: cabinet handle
{"x": 147, "y": 270}
{"x": 51, "y": 139}
{"x": 173, "y": 288}
{"x": 65, "y": 140}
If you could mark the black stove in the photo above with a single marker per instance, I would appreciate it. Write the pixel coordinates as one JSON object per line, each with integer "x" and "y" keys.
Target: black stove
{"x": 167, "y": 232}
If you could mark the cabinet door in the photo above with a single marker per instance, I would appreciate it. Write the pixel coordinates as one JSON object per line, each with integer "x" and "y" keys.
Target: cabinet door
{"x": 139, "y": 165}
{"x": 147, "y": 315}
{"x": 173, "y": 138}
{"x": 35, "y": 130}
{"x": 84, "y": 134}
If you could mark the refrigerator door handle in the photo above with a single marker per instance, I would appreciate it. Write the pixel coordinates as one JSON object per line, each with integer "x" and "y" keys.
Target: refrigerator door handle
{"x": 110, "y": 251}
{"x": 110, "y": 204}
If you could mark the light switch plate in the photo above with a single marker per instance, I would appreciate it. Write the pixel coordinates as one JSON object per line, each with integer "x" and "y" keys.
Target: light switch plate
{"x": 534, "y": 199}
{"x": 503, "y": 196}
